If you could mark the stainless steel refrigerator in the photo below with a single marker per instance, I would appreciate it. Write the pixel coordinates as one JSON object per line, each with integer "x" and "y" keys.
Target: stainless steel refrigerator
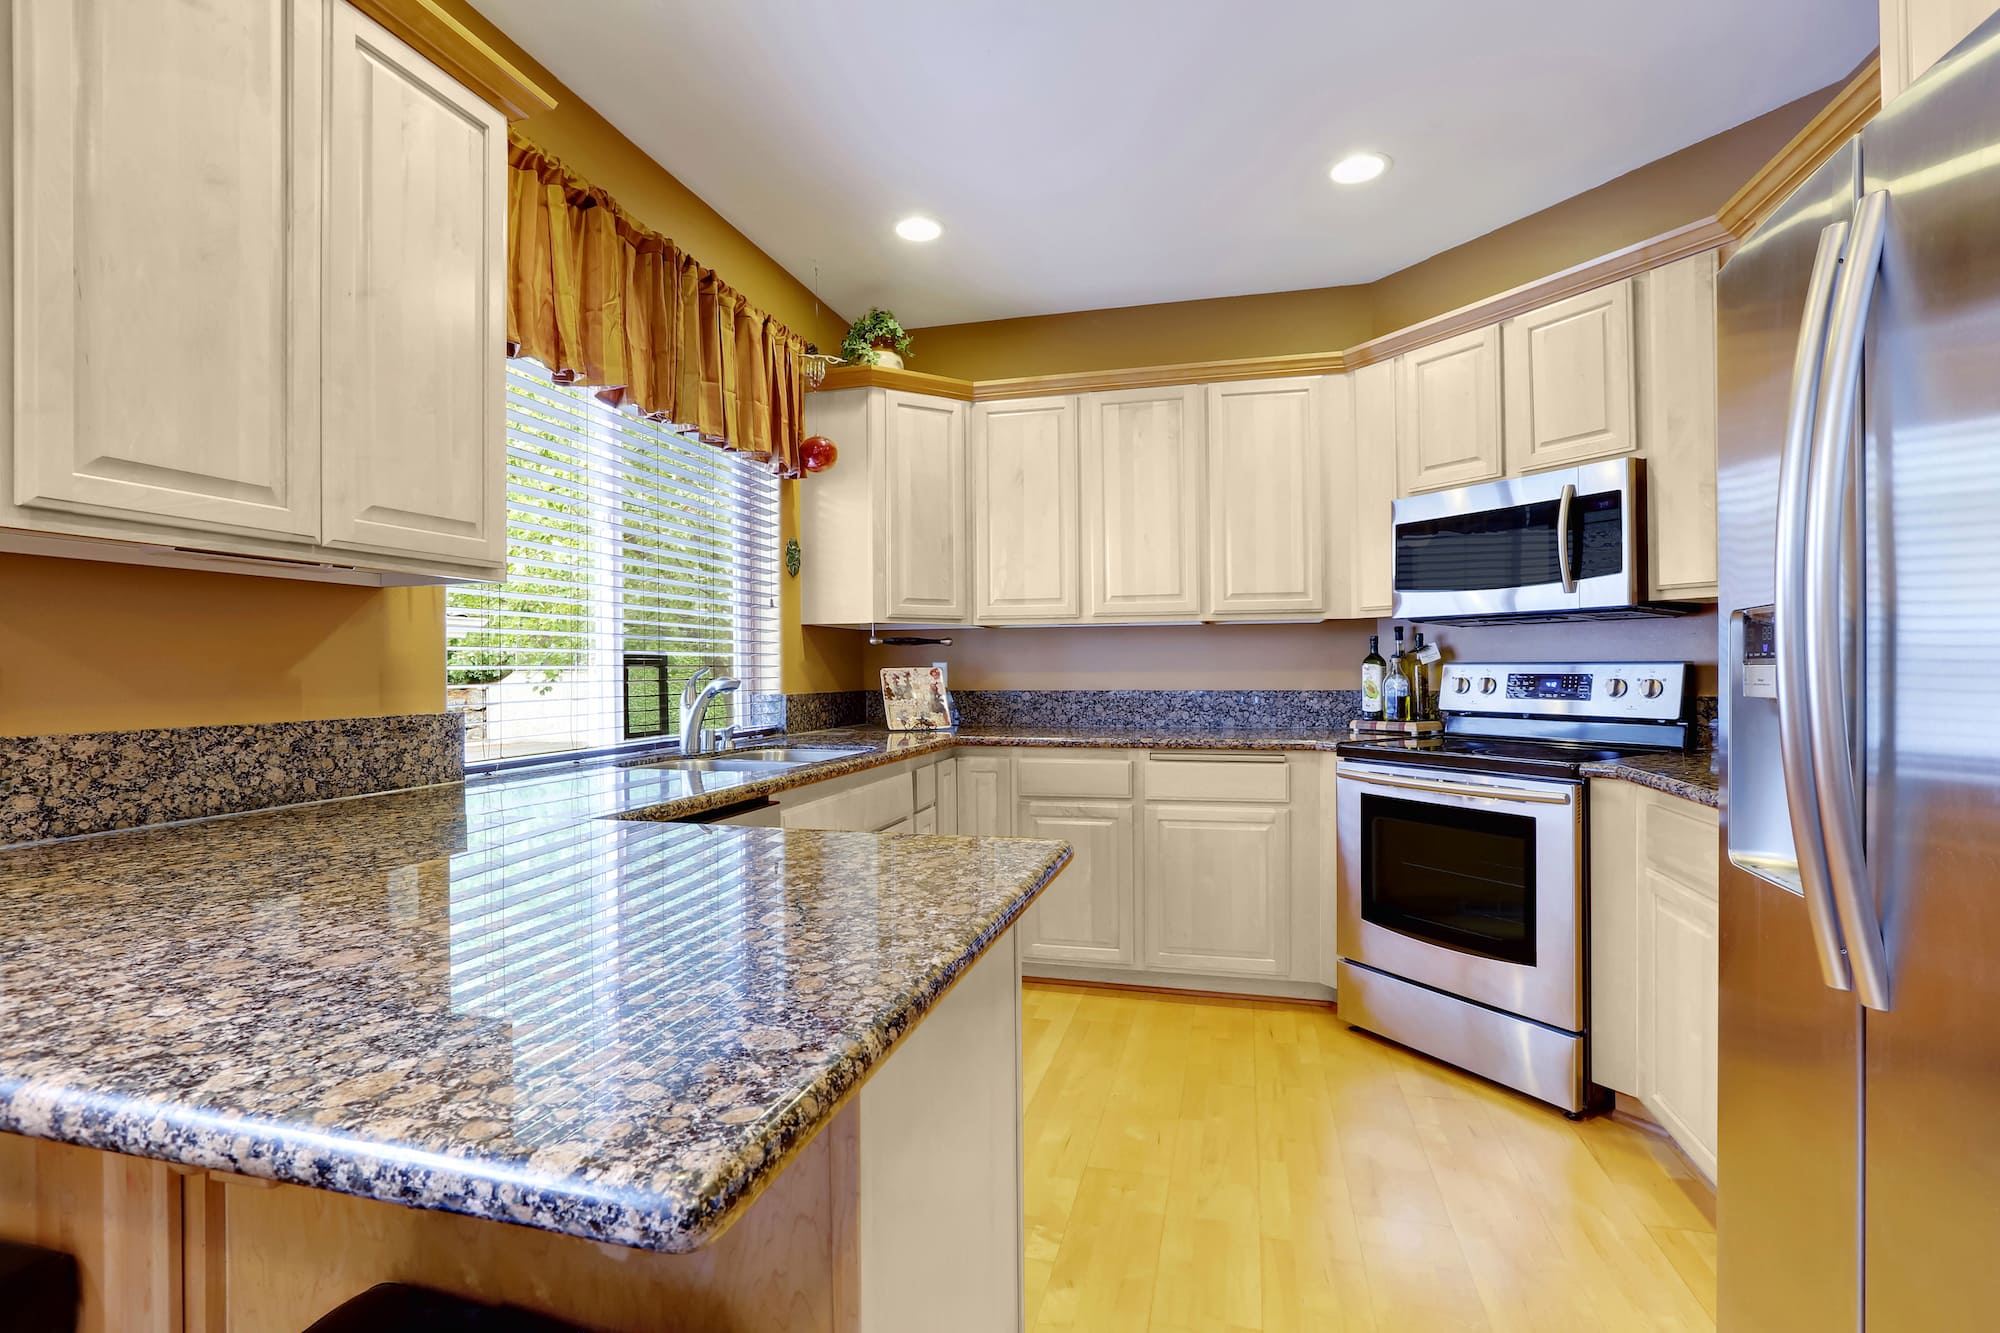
{"x": 1859, "y": 491}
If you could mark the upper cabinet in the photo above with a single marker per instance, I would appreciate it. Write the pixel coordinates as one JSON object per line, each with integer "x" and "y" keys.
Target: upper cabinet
{"x": 416, "y": 245}
{"x": 1568, "y": 381}
{"x": 884, "y": 533}
{"x": 1143, "y": 520}
{"x": 1027, "y": 555}
{"x": 259, "y": 249}
{"x": 1915, "y": 33}
{"x": 1374, "y": 467}
{"x": 1448, "y": 411}
{"x": 1678, "y": 426}
{"x": 168, "y": 172}
{"x": 1266, "y": 499}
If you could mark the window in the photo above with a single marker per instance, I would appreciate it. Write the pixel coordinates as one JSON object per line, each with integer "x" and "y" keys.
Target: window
{"x": 634, "y": 558}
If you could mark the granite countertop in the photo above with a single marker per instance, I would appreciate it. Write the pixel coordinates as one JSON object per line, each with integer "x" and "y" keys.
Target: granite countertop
{"x": 1688, "y": 774}
{"x": 470, "y": 1000}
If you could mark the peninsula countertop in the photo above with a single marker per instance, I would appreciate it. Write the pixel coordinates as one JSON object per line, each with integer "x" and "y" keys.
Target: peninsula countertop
{"x": 470, "y": 999}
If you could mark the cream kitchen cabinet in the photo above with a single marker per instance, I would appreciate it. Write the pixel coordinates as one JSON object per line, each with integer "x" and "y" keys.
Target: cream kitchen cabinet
{"x": 1027, "y": 530}
{"x": 986, "y": 795}
{"x": 260, "y": 254}
{"x": 1374, "y": 453}
{"x": 1267, "y": 503}
{"x": 1088, "y": 914}
{"x": 885, "y": 531}
{"x": 1916, "y": 33}
{"x": 1448, "y": 413}
{"x": 1218, "y": 886}
{"x": 1677, "y": 425}
{"x": 1567, "y": 381}
{"x": 876, "y": 801}
{"x": 1654, "y": 974}
{"x": 1144, "y": 529}
{"x": 415, "y": 461}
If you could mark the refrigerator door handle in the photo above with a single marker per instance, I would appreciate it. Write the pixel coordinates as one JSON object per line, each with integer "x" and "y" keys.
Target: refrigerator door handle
{"x": 1830, "y": 618}
{"x": 1794, "y": 737}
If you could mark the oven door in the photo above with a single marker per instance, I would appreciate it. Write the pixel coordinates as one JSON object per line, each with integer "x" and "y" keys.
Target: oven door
{"x": 1557, "y": 541}
{"x": 1467, "y": 883}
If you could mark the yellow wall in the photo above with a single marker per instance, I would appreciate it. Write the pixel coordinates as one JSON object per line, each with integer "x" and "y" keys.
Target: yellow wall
{"x": 1657, "y": 197}
{"x": 97, "y": 647}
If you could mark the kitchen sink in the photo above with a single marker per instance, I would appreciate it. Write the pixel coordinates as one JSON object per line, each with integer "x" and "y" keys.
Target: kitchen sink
{"x": 771, "y": 759}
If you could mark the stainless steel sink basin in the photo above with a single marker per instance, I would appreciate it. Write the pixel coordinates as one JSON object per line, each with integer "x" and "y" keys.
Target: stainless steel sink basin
{"x": 771, "y": 759}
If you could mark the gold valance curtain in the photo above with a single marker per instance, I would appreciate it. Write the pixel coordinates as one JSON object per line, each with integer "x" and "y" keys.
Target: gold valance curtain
{"x": 601, "y": 300}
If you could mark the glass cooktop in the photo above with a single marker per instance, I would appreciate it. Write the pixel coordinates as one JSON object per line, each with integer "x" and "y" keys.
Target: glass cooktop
{"x": 1490, "y": 754}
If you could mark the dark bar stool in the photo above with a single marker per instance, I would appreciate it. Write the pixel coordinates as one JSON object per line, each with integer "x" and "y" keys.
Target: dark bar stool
{"x": 393, "y": 1307}
{"x": 39, "y": 1290}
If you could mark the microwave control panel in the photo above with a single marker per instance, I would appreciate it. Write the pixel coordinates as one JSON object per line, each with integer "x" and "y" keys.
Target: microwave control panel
{"x": 1645, "y": 691}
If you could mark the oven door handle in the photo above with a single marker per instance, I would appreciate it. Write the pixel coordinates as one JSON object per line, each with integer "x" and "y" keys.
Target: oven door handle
{"x": 1475, "y": 791}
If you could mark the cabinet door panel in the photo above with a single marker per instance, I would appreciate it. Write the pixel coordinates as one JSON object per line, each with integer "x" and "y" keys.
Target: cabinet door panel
{"x": 923, "y": 454}
{"x": 1679, "y": 1004}
{"x": 986, "y": 795}
{"x": 947, "y": 796}
{"x": 1677, "y": 425}
{"x": 1087, "y": 915}
{"x": 1267, "y": 500}
{"x": 1448, "y": 409}
{"x": 1142, "y": 504}
{"x": 1375, "y": 457}
{"x": 1568, "y": 376}
{"x": 415, "y": 461}
{"x": 1028, "y": 563}
{"x": 1218, "y": 889}
{"x": 168, "y": 163}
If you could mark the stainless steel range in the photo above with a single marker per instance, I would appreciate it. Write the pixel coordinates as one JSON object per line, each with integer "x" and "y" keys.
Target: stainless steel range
{"x": 1463, "y": 879}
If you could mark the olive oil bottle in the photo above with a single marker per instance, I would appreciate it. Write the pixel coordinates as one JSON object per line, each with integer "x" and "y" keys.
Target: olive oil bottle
{"x": 1372, "y": 668}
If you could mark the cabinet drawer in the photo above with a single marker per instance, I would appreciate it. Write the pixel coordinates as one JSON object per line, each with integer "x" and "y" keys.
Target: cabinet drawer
{"x": 886, "y": 801}
{"x": 1069, "y": 775}
{"x": 927, "y": 786}
{"x": 1681, "y": 842}
{"x": 1217, "y": 777}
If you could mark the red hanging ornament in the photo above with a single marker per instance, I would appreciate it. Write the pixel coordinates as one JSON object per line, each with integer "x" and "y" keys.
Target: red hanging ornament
{"x": 818, "y": 453}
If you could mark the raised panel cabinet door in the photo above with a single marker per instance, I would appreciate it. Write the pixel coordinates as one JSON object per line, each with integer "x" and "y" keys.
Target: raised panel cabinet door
{"x": 1567, "y": 381}
{"x": 947, "y": 796}
{"x": 1680, "y": 982}
{"x": 1217, "y": 895}
{"x": 1677, "y": 425}
{"x": 986, "y": 796}
{"x": 1087, "y": 915}
{"x": 167, "y": 255}
{"x": 1375, "y": 457}
{"x": 924, "y": 511}
{"x": 1266, "y": 499}
{"x": 1143, "y": 515}
{"x": 1916, "y": 33}
{"x": 1448, "y": 429}
{"x": 415, "y": 454}
{"x": 1027, "y": 559}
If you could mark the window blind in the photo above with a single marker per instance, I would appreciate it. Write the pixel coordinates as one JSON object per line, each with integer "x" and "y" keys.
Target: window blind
{"x": 634, "y": 557}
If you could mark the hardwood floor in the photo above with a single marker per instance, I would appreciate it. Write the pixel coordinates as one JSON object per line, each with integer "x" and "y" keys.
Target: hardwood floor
{"x": 1212, "y": 1165}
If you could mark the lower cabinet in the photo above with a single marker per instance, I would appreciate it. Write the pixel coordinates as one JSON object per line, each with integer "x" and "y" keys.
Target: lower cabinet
{"x": 1088, "y": 915}
{"x": 986, "y": 795}
{"x": 1654, "y": 960}
{"x": 1218, "y": 885}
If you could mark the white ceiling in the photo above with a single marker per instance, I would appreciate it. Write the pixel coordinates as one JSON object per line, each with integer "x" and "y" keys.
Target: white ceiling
{"x": 1121, "y": 152}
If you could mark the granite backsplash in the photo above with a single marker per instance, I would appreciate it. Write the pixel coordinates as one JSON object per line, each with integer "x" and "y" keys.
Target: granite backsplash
{"x": 57, "y": 786}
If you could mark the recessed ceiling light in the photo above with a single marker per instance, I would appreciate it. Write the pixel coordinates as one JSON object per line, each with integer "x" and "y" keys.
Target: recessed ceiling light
{"x": 1356, "y": 168}
{"x": 918, "y": 229}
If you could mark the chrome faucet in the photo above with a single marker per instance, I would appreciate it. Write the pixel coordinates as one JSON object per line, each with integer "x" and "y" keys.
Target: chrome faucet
{"x": 695, "y": 699}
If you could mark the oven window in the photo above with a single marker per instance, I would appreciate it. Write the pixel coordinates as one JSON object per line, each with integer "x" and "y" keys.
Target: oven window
{"x": 1513, "y": 547}
{"x": 1461, "y": 878}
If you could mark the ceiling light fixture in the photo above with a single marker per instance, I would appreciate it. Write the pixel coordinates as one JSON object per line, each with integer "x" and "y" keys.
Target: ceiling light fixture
{"x": 1358, "y": 168}
{"x": 918, "y": 229}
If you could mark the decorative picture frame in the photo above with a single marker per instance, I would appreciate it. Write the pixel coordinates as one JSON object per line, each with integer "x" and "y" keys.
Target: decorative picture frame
{"x": 915, "y": 699}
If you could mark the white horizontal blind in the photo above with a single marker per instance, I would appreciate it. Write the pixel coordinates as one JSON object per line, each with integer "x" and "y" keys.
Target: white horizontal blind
{"x": 634, "y": 557}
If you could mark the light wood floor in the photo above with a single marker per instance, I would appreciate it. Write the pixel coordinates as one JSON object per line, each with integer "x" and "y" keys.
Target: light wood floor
{"x": 1214, "y": 1165}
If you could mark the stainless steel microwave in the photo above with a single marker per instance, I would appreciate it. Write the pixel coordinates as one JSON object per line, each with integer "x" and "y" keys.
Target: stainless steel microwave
{"x": 1556, "y": 545}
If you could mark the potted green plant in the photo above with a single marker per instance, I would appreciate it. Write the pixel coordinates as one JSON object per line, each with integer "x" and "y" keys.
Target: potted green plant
{"x": 876, "y": 339}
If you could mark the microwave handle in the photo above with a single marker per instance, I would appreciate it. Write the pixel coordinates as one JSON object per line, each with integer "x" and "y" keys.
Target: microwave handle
{"x": 1562, "y": 537}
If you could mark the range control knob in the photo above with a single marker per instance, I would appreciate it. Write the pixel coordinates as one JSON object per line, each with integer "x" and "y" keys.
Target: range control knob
{"x": 1464, "y": 684}
{"x": 1487, "y": 684}
{"x": 1618, "y": 687}
{"x": 1654, "y": 688}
